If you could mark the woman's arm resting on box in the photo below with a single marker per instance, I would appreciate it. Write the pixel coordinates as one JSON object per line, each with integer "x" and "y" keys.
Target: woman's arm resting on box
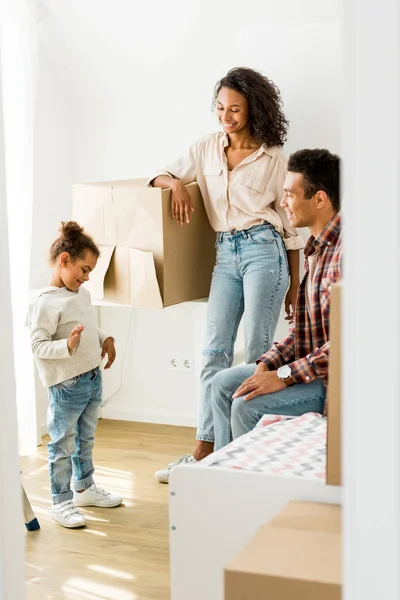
{"x": 181, "y": 204}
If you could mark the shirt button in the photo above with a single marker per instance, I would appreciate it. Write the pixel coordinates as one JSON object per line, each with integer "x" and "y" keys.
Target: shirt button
{"x": 328, "y": 243}
{"x": 307, "y": 378}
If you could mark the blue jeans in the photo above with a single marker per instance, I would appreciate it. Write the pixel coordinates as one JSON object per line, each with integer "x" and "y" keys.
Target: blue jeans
{"x": 233, "y": 418}
{"x": 251, "y": 276}
{"x": 71, "y": 419}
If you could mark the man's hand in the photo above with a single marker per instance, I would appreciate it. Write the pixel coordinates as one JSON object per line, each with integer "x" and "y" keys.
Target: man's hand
{"x": 261, "y": 383}
{"x": 74, "y": 338}
{"x": 109, "y": 349}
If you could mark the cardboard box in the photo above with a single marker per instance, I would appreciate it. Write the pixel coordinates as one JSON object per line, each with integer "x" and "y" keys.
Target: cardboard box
{"x": 147, "y": 259}
{"x": 333, "y": 451}
{"x": 297, "y": 556}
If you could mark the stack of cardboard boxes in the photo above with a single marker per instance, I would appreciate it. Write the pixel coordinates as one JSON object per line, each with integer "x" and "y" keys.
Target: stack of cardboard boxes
{"x": 297, "y": 555}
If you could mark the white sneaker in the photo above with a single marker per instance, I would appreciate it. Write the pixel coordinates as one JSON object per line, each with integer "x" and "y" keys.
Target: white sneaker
{"x": 96, "y": 496}
{"x": 67, "y": 515}
{"x": 163, "y": 475}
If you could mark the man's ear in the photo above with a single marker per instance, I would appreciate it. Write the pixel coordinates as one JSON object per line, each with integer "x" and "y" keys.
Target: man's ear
{"x": 321, "y": 199}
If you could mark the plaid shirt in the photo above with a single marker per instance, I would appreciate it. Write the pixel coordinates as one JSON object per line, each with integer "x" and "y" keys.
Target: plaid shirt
{"x": 306, "y": 349}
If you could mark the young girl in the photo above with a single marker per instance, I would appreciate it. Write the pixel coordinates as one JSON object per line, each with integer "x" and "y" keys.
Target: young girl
{"x": 68, "y": 348}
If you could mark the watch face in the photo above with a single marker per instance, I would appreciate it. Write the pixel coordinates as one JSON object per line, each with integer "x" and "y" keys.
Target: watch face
{"x": 284, "y": 372}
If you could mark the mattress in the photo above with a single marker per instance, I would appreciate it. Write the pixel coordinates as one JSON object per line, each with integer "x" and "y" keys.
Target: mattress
{"x": 278, "y": 445}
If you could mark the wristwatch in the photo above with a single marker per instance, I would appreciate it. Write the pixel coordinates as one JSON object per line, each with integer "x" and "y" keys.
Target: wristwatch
{"x": 285, "y": 374}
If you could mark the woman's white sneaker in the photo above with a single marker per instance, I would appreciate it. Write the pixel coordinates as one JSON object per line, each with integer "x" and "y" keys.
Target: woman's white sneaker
{"x": 67, "y": 515}
{"x": 163, "y": 475}
{"x": 96, "y": 496}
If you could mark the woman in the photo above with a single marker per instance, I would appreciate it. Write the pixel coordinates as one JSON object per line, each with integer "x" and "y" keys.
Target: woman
{"x": 240, "y": 172}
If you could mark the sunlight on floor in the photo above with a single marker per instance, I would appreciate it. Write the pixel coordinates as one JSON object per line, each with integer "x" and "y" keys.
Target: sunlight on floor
{"x": 94, "y": 532}
{"x": 91, "y": 590}
{"x": 111, "y": 572}
{"x": 94, "y": 518}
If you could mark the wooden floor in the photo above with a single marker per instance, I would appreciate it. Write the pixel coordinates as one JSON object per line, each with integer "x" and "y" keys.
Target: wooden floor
{"x": 123, "y": 552}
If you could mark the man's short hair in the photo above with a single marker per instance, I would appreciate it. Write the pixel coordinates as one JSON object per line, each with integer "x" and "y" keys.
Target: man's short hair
{"x": 320, "y": 170}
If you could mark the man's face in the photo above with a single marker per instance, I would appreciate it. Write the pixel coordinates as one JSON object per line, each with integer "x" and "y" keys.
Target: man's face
{"x": 300, "y": 211}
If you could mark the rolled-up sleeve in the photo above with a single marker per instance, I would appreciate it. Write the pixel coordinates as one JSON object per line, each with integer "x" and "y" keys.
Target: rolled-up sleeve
{"x": 280, "y": 354}
{"x": 185, "y": 168}
{"x": 313, "y": 366}
{"x": 291, "y": 237}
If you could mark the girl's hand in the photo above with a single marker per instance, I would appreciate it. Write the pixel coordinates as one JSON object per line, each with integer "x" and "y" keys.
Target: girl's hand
{"x": 74, "y": 338}
{"x": 109, "y": 349}
{"x": 290, "y": 301}
{"x": 181, "y": 203}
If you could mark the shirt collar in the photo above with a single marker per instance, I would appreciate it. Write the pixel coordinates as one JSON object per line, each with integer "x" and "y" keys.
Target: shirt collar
{"x": 328, "y": 236}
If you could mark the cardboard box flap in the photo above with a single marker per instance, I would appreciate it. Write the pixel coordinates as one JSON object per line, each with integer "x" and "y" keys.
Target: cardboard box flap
{"x": 92, "y": 209}
{"x": 131, "y": 279}
{"x": 144, "y": 290}
{"x": 95, "y": 285}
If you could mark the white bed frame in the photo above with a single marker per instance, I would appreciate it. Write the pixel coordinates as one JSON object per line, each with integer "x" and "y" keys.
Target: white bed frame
{"x": 213, "y": 514}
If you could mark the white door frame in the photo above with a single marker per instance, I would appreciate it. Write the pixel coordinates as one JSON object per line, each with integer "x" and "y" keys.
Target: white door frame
{"x": 12, "y": 572}
{"x": 371, "y": 325}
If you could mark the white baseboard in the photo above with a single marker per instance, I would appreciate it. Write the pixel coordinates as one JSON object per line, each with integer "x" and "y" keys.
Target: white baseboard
{"x": 43, "y": 429}
{"x": 126, "y": 414}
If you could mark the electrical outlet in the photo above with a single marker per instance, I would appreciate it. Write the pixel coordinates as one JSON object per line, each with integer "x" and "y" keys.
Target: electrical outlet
{"x": 173, "y": 364}
{"x": 181, "y": 364}
{"x": 187, "y": 364}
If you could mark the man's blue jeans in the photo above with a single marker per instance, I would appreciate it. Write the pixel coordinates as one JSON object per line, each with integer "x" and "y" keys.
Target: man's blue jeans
{"x": 233, "y": 418}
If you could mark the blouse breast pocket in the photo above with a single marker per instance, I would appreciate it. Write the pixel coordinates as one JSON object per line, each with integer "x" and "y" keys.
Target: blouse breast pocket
{"x": 256, "y": 184}
{"x": 254, "y": 193}
{"x": 214, "y": 181}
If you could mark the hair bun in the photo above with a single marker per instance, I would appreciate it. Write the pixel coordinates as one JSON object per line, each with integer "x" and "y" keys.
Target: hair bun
{"x": 70, "y": 230}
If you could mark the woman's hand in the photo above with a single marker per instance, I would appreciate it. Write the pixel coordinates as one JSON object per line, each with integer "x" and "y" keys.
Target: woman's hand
{"x": 290, "y": 301}
{"x": 181, "y": 203}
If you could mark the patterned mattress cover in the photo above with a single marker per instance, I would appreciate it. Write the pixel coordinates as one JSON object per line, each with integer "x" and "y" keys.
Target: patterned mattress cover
{"x": 278, "y": 445}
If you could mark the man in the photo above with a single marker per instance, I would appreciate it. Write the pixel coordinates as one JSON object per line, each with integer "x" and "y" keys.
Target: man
{"x": 291, "y": 378}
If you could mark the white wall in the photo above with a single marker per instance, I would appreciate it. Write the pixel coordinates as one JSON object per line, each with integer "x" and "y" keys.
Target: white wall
{"x": 52, "y": 179}
{"x": 138, "y": 78}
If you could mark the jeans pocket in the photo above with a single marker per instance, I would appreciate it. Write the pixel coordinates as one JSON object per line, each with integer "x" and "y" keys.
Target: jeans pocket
{"x": 261, "y": 236}
{"x": 69, "y": 383}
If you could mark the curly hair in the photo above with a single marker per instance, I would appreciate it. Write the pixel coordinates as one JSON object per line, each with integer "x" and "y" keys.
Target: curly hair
{"x": 267, "y": 122}
{"x": 320, "y": 170}
{"x": 74, "y": 240}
